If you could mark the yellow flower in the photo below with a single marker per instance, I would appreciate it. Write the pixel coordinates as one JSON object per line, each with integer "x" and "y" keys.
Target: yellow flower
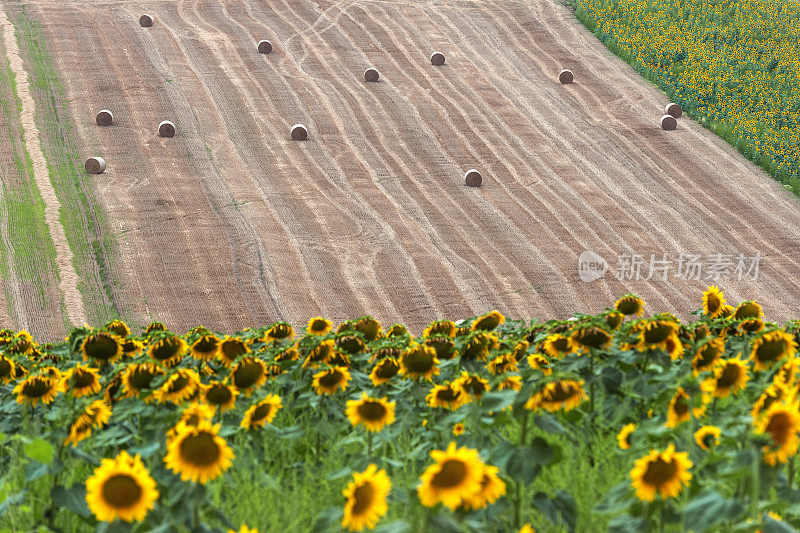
{"x": 772, "y": 347}
{"x": 453, "y": 479}
{"x": 678, "y": 410}
{"x": 713, "y": 302}
{"x": 781, "y": 422}
{"x": 624, "y": 436}
{"x": 328, "y": 381}
{"x": 630, "y": 304}
{"x": 707, "y": 436}
{"x": 366, "y": 499}
{"x": 458, "y": 429}
{"x": 35, "y": 389}
{"x": 663, "y": 472}
{"x": 565, "y": 394}
{"x": 489, "y": 321}
{"x": 372, "y": 413}
{"x": 262, "y": 412}
{"x": 492, "y": 487}
{"x": 730, "y": 376}
{"x": 198, "y": 453}
{"x": 319, "y": 326}
{"x": 419, "y": 361}
{"x": 447, "y": 396}
{"x": 121, "y": 488}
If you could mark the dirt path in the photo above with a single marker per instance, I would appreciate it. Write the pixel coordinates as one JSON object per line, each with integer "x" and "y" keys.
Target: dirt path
{"x": 73, "y": 300}
{"x": 232, "y": 224}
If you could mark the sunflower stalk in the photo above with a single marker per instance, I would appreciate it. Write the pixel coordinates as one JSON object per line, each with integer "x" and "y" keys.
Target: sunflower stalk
{"x": 755, "y": 487}
{"x": 518, "y": 482}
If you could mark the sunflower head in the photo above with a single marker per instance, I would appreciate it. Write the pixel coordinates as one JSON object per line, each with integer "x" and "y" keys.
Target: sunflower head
{"x": 220, "y": 395}
{"x": 121, "y": 488}
{"x": 319, "y": 326}
{"x": 772, "y": 347}
{"x": 137, "y": 378}
{"x": 707, "y": 436}
{"x": 366, "y": 499}
{"x": 661, "y": 472}
{"x": 510, "y": 383}
{"x": 502, "y": 364}
{"x": 398, "y": 330}
{"x": 36, "y": 389}
{"x": 350, "y": 344}
{"x": 167, "y": 349}
{"x": 630, "y": 304}
{"x": 372, "y": 413}
{"x": 479, "y": 345}
{"x": 781, "y": 422}
{"x": 447, "y": 396}
{"x": 320, "y": 354}
{"x": 444, "y": 346}
{"x": 7, "y": 370}
{"x": 369, "y": 328}
{"x": 330, "y": 380}
{"x": 453, "y": 479}
{"x": 750, "y": 325}
{"x": 458, "y": 429}
{"x": 556, "y": 345}
{"x": 262, "y": 413}
{"x": 655, "y": 334}
{"x": 198, "y": 453}
{"x": 492, "y": 488}
{"x": 489, "y": 321}
{"x": 419, "y": 361}
{"x": 154, "y": 327}
{"x": 624, "y": 436}
{"x": 713, "y": 302}
{"x": 278, "y": 332}
{"x": 81, "y": 381}
{"x": 102, "y": 347}
{"x": 132, "y": 347}
{"x": 679, "y": 409}
{"x": 708, "y": 354}
{"x": 446, "y": 328}
{"x": 473, "y": 384}
{"x": 565, "y": 394}
{"x": 205, "y": 348}
{"x": 179, "y": 387}
{"x": 747, "y": 310}
{"x": 586, "y": 338}
{"x": 384, "y": 371}
{"x": 289, "y": 354}
{"x": 249, "y": 374}
{"x": 730, "y": 376}
{"x": 230, "y": 348}
{"x": 613, "y": 319}
{"x": 118, "y": 328}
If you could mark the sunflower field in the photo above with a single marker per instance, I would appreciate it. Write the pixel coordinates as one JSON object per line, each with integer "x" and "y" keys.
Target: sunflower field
{"x": 732, "y": 65}
{"x": 615, "y": 421}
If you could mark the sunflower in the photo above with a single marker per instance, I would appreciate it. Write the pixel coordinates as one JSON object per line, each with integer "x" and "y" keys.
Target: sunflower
{"x": 278, "y": 332}
{"x": 444, "y": 346}
{"x": 663, "y": 472}
{"x": 624, "y": 436}
{"x": 132, "y": 347}
{"x": 751, "y": 325}
{"x": 489, "y": 321}
{"x": 447, "y": 396}
{"x": 118, "y": 328}
{"x": 81, "y": 381}
{"x": 350, "y": 344}
{"x": 289, "y": 354}
{"x": 674, "y": 347}
{"x": 320, "y": 353}
{"x": 154, "y": 327}
{"x": 386, "y": 351}
{"x": 707, "y": 355}
{"x": 366, "y": 499}
{"x": 249, "y": 374}
{"x": 372, "y": 413}
{"x": 179, "y": 387}
{"x": 398, "y": 330}
{"x": 707, "y": 436}
{"x": 220, "y": 395}
{"x": 196, "y": 413}
{"x": 781, "y": 422}
{"x": 136, "y": 378}
{"x": 510, "y": 383}
{"x": 730, "y": 376}
{"x": 97, "y": 413}
{"x": 473, "y": 384}
{"x": 23, "y": 343}
{"x": 121, "y": 488}
{"x": 328, "y": 381}
{"x": 479, "y": 345}
{"x": 527, "y": 529}
{"x": 419, "y": 361}
{"x": 540, "y": 362}
{"x": 80, "y": 429}
{"x": 713, "y": 302}
{"x": 198, "y": 453}
{"x": 556, "y": 345}
{"x": 787, "y": 373}
{"x": 446, "y": 328}
{"x": 492, "y": 487}
{"x": 205, "y": 348}
{"x": 369, "y": 328}
{"x": 262, "y": 412}
{"x": 747, "y": 310}
{"x": 520, "y": 350}
{"x": 230, "y": 348}
{"x": 630, "y": 304}
{"x": 564, "y": 394}
{"x": 35, "y": 389}
{"x": 244, "y": 529}
{"x": 7, "y": 370}
{"x": 771, "y": 347}
{"x": 319, "y": 326}
{"x": 168, "y": 350}
{"x": 384, "y": 371}
{"x": 453, "y": 479}
{"x": 586, "y": 338}
{"x": 679, "y": 409}
{"x": 657, "y": 334}
{"x": 102, "y": 347}
{"x": 338, "y": 358}
{"x": 458, "y": 429}
{"x": 614, "y": 319}
{"x": 502, "y": 364}
{"x": 701, "y": 331}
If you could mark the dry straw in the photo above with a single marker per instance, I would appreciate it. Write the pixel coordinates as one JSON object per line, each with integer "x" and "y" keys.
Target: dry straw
{"x": 565, "y": 76}
{"x": 146, "y": 21}
{"x": 95, "y": 165}
{"x": 674, "y": 109}
{"x": 166, "y": 129}
{"x": 473, "y": 178}
{"x": 437, "y": 59}
{"x": 299, "y": 132}
{"x": 668, "y": 122}
{"x": 371, "y": 75}
{"x": 104, "y": 118}
{"x": 264, "y": 47}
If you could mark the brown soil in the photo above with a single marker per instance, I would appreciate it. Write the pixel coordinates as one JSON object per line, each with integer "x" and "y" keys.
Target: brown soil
{"x": 233, "y": 224}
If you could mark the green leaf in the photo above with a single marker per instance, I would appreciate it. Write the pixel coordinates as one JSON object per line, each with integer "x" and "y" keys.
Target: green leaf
{"x": 775, "y": 526}
{"x": 34, "y": 470}
{"x": 498, "y": 400}
{"x": 612, "y": 379}
{"x": 559, "y": 509}
{"x": 617, "y": 499}
{"x": 39, "y": 450}
{"x": 541, "y": 451}
{"x": 627, "y": 524}
{"x": 328, "y": 520}
{"x": 709, "y": 509}
{"x": 400, "y": 526}
{"x": 14, "y": 499}
{"x": 73, "y": 499}
{"x": 339, "y": 474}
{"x": 548, "y": 423}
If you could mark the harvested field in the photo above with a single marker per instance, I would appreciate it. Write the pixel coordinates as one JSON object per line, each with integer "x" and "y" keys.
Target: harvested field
{"x": 231, "y": 223}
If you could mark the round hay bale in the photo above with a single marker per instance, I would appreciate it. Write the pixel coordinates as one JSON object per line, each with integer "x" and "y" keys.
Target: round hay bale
{"x": 166, "y": 129}
{"x": 299, "y": 132}
{"x": 264, "y": 47}
{"x": 565, "y": 76}
{"x": 668, "y": 122}
{"x": 146, "y": 21}
{"x": 104, "y": 118}
{"x": 437, "y": 59}
{"x": 95, "y": 165}
{"x": 674, "y": 109}
{"x": 371, "y": 75}
{"x": 473, "y": 178}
